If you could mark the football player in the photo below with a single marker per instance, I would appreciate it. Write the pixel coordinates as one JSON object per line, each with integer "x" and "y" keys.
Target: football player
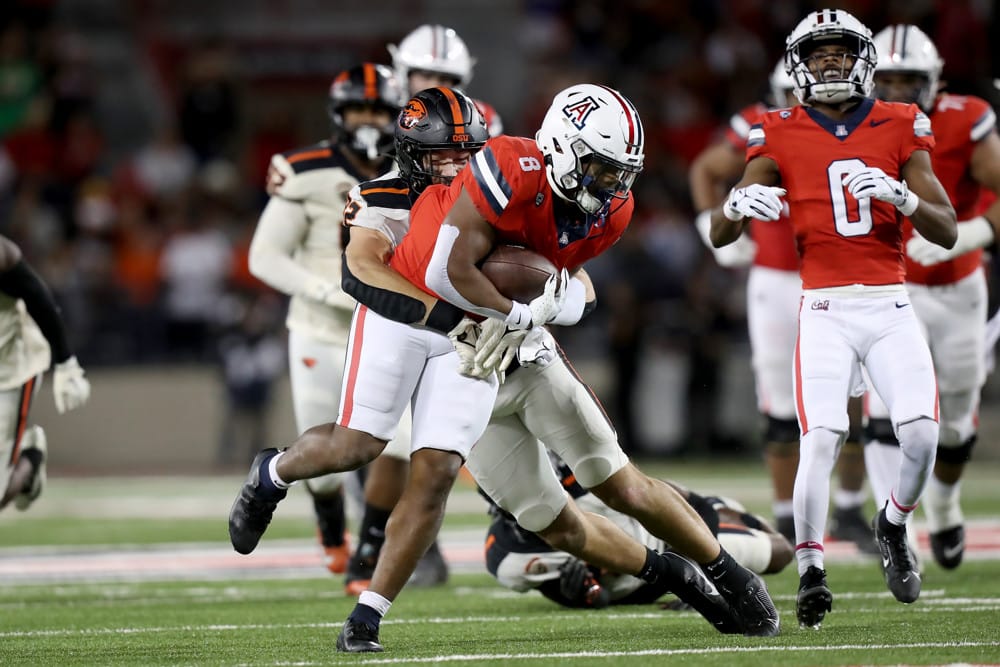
{"x": 773, "y": 294}
{"x": 520, "y": 560}
{"x": 947, "y": 286}
{"x": 33, "y": 337}
{"x": 428, "y": 57}
{"x": 867, "y": 166}
{"x": 296, "y": 249}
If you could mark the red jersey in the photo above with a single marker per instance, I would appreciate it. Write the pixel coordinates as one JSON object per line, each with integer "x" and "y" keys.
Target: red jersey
{"x": 959, "y": 124}
{"x": 493, "y": 123}
{"x": 842, "y": 241}
{"x": 506, "y": 181}
{"x": 775, "y": 239}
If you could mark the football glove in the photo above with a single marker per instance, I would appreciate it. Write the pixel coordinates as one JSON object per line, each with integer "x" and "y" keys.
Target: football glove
{"x": 972, "y": 234}
{"x": 740, "y": 252}
{"x": 762, "y": 202}
{"x": 579, "y": 585}
{"x": 543, "y": 308}
{"x": 497, "y": 346}
{"x": 463, "y": 338}
{"x": 70, "y": 387}
{"x": 873, "y": 183}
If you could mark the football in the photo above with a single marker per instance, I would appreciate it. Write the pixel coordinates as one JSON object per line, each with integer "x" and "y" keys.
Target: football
{"x": 517, "y": 273}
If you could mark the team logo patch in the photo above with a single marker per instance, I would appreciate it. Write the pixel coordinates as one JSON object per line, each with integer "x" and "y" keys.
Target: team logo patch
{"x": 412, "y": 113}
{"x": 578, "y": 111}
{"x": 821, "y": 305}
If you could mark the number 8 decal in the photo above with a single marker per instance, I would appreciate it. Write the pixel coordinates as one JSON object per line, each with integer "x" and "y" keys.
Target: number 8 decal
{"x": 838, "y": 196}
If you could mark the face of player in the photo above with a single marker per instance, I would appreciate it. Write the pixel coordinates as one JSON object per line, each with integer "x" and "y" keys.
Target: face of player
{"x": 356, "y": 116}
{"x": 421, "y": 80}
{"x": 830, "y": 62}
{"x": 899, "y": 86}
{"x": 445, "y": 164}
{"x": 606, "y": 180}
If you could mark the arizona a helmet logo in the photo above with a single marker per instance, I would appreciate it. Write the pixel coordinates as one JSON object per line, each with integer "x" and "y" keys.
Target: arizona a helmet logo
{"x": 578, "y": 111}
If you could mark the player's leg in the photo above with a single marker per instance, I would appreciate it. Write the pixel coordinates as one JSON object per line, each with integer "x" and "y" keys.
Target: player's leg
{"x": 22, "y": 448}
{"x": 377, "y": 390}
{"x": 826, "y": 372}
{"x": 450, "y": 413}
{"x": 316, "y": 373}
{"x": 901, "y": 370}
{"x": 772, "y": 321}
{"x": 954, "y": 317}
{"x": 847, "y": 522}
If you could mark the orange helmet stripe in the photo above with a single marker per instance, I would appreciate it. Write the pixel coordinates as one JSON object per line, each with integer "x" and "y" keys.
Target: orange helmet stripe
{"x": 371, "y": 81}
{"x": 456, "y": 110}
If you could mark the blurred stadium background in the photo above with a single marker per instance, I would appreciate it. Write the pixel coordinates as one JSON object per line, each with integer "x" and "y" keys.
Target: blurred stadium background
{"x": 135, "y": 136}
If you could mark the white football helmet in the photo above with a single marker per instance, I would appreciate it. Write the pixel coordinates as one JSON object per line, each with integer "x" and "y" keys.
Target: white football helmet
{"x": 830, "y": 26}
{"x": 781, "y": 85}
{"x": 432, "y": 48}
{"x": 592, "y": 142}
{"x": 907, "y": 50}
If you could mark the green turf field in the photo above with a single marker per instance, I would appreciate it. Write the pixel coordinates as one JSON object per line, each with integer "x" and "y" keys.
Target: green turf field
{"x": 248, "y": 618}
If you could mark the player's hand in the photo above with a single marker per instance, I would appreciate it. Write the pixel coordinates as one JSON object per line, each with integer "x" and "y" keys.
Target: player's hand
{"x": 275, "y": 179}
{"x": 497, "y": 347}
{"x": 873, "y": 183}
{"x": 740, "y": 252}
{"x": 70, "y": 387}
{"x": 538, "y": 347}
{"x": 972, "y": 234}
{"x": 762, "y": 202}
{"x": 463, "y": 338}
{"x": 321, "y": 291}
{"x": 578, "y": 584}
{"x": 543, "y": 308}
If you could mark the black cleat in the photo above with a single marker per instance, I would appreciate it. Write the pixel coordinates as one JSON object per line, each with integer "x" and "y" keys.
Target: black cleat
{"x": 689, "y": 583}
{"x": 747, "y": 594}
{"x": 896, "y": 559}
{"x": 948, "y": 546}
{"x": 847, "y": 524}
{"x": 357, "y": 637}
{"x": 432, "y": 569}
{"x": 814, "y": 598}
{"x": 252, "y": 510}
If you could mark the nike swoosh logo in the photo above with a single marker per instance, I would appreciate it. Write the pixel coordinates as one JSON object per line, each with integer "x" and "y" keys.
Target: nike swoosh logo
{"x": 902, "y": 305}
{"x": 952, "y": 552}
{"x": 876, "y": 123}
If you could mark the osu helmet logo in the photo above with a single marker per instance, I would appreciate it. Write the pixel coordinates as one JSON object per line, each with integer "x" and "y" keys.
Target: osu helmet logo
{"x": 412, "y": 113}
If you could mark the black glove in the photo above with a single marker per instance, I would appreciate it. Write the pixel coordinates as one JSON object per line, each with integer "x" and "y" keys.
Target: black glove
{"x": 579, "y": 585}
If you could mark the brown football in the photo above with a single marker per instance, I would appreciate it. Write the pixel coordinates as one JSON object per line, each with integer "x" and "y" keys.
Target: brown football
{"x": 518, "y": 273}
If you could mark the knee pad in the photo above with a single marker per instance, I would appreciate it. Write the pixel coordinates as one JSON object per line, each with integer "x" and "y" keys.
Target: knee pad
{"x": 957, "y": 455}
{"x": 594, "y": 470}
{"x": 327, "y": 484}
{"x": 881, "y": 431}
{"x": 958, "y": 418}
{"x": 919, "y": 438}
{"x": 536, "y": 517}
{"x": 782, "y": 431}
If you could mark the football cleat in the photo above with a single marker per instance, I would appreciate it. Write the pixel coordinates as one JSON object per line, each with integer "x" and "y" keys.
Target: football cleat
{"x": 689, "y": 583}
{"x": 253, "y": 508}
{"x": 948, "y": 546}
{"x": 848, "y": 525}
{"x": 747, "y": 594}
{"x": 814, "y": 598}
{"x": 336, "y": 557}
{"x": 357, "y": 637}
{"x": 431, "y": 570}
{"x": 33, "y": 440}
{"x": 897, "y": 563}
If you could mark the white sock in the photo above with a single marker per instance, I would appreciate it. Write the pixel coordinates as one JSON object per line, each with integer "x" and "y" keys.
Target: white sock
{"x": 272, "y": 471}
{"x": 898, "y": 514}
{"x": 375, "y": 601}
{"x": 941, "y": 505}
{"x": 807, "y": 558}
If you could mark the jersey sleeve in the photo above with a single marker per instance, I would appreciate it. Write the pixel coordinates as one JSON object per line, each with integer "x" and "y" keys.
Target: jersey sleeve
{"x": 922, "y": 138}
{"x": 982, "y": 117}
{"x": 496, "y": 174}
{"x": 382, "y": 205}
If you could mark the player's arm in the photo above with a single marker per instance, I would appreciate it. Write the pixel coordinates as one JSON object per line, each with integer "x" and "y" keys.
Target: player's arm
{"x": 984, "y": 165}
{"x": 710, "y": 173}
{"x": 280, "y": 231}
{"x": 934, "y": 216}
{"x": 19, "y": 280}
{"x": 755, "y": 195}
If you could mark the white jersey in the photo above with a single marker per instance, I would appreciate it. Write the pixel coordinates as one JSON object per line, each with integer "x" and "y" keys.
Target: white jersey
{"x": 382, "y": 204}
{"x": 24, "y": 352}
{"x": 299, "y": 238}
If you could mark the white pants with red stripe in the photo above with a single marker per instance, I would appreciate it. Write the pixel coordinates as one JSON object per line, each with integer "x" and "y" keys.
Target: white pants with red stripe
{"x": 15, "y": 405}
{"x": 543, "y": 406}
{"x": 390, "y": 366}
{"x": 316, "y": 372}
{"x": 773, "y": 298}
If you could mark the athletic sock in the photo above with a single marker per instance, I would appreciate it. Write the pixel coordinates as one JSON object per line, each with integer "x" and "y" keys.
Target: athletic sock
{"x": 370, "y": 609}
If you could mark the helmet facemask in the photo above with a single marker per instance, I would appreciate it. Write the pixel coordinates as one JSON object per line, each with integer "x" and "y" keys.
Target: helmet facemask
{"x": 596, "y": 180}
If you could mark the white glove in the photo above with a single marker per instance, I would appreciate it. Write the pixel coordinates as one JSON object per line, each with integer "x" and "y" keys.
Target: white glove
{"x": 538, "y": 347}
{"x": 543, "y": 308}
{"x": 872, "y": 182}
{"x": 754, "y": 201}
{"x": 740, "y": 252}
{"x": 463, "y": 338}
{"x": 70, "y": 387}
{"x": 972, "y": 234}
{"x": 497, "y": 346}
{"x": 320, "y": 290}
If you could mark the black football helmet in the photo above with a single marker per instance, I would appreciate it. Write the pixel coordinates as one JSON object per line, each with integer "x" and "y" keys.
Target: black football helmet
{"x": 432, "y": 120}
{"x": 367, "y": 84}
